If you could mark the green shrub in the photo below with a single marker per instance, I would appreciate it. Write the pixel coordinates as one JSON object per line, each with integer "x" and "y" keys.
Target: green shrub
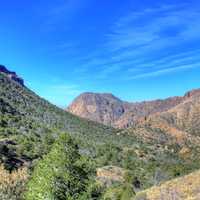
{"x": 62, "y": 174}
{"x": 141, "y": 196}
{"x": 127, "y": 192}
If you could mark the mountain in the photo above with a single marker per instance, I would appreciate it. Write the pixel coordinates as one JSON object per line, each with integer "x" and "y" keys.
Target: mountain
{"x": 27, "y": 122}
{"x": 110, "y": 110}
{"x": 103, "y": 108}
{"x": 159, "y": 147}
{"x": 11, "y": 75}
{"x": 181, "y": 122}
{"x": 186, "y": 115}
{"x": 186, "y": 188}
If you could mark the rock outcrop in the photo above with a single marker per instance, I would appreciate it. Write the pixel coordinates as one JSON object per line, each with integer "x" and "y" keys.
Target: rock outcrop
{"x": 180, "y": 124}
{"x": 110, "y": 110}
{"x": 110, "y": 174}
{"x": 104, "y": 108}
{"x": 11, "y": 75}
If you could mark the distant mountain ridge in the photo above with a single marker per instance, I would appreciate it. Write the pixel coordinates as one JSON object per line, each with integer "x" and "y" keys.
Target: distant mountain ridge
{"x": 110, "y": 110}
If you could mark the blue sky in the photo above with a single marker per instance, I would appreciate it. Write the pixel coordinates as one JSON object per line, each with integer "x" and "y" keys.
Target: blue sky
{"x": 137, "y": 50}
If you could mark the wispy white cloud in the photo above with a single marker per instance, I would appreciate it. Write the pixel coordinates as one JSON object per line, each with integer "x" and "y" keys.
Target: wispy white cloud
{"x": 145, "y": 43}
{"x": 155, "y": 29}
{"x": 169, "y": 61}
{"x": 139, "y": 42}
{"x": 108, "y": 71}
{"x": 164, "y": 71}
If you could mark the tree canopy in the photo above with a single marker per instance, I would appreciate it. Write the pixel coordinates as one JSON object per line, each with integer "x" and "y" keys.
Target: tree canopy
{"x": 62, "y": 174}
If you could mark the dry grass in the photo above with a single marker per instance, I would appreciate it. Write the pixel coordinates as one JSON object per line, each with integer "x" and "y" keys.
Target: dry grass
{"x": 12, "y": 184}
{"x": 185, "y": 188}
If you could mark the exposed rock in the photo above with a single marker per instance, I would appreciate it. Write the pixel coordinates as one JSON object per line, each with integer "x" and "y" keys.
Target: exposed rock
{"x": 185, "y": 152}
{"x": 104, "y": 108}
{"x": 110, "y": 110}
{"x": 180, "y": 124}
{"x": 110, "y": 174}
{"x": 11, "y": 75}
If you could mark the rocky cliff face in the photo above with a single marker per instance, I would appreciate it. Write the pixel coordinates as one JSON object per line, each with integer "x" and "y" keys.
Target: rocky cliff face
{"x": 186, "y": 115}
{"x": 104, "y": 108}
{"x": 109, "y": 110}
{"x": 11, "y": 75}
{"x": 180, "y": 124}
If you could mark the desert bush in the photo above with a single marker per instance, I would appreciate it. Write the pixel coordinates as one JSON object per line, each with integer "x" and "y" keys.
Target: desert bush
{"x": 12, "y": 185}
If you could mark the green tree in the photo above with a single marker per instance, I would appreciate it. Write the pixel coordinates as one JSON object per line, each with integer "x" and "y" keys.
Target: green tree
{"x": 63, "y": 174}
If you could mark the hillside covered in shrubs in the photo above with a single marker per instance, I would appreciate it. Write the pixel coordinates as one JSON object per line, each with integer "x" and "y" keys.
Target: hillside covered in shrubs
{"x": 48, "y": 153}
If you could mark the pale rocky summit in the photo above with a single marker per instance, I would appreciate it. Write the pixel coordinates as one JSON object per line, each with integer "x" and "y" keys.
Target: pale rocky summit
{"x": 110, "y": 110}
{"x": 104, "y": 108}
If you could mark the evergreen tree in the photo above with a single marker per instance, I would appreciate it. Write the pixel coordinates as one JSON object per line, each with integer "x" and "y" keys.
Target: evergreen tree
{"x": 63, "y": 174}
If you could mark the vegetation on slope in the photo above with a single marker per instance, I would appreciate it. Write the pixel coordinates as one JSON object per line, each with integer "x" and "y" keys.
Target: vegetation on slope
{"x": 186, "y": 188}
{"x": 12, "y": 185}
{"x": 32, "y": 122}
{"x": 29, "y": 126}
{"x": 62, "y": 174}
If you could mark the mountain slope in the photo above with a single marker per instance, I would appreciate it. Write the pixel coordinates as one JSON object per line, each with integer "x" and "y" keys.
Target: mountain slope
{"x": 29, "y": 125}
{"x": 180, "y": 122}
{"x": 186, "y": 116}
{"x": 20, "y": 100}
{"x": 27, "y": 122}
{"x": 186, "y": 188}
{"x": 109, "y": 110}
{"x": 104, "y": 108}
{"x": 12, "y": 75}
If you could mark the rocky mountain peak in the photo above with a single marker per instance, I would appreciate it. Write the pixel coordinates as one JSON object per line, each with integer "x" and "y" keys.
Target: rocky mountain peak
{"x": 100, "y": 107}
{"x": 110, "y": 110}
{"x": 192, "y": 93}
{"x": 11, "y": 75}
